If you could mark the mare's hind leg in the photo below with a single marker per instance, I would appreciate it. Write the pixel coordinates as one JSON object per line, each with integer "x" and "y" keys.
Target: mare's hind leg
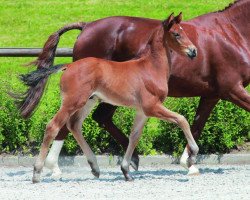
{"x": 134, "y": 137}
{"x": 103, "y": 116}
{"x": 204, "y": 109}
{"x": 240, "y": 97}
{"x": 163, "y": 113}
{"x": 75, "y": 126}
{"x": 50, "y": 133}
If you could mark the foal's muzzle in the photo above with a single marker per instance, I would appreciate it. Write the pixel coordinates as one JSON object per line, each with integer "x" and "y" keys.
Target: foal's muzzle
{"x": 191, "y": 52}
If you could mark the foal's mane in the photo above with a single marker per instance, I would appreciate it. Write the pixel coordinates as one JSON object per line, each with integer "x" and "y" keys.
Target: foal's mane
{"x": 148, "y": 49}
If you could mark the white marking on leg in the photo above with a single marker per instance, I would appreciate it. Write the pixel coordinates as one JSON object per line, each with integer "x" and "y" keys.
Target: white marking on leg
{"x": 193, "y": 170}
{"x": 184, "y": 159}
{"x": 52, "y": 158}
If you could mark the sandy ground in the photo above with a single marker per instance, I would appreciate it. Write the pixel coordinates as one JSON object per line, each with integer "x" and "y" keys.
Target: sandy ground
{"x": 170, "y": 182}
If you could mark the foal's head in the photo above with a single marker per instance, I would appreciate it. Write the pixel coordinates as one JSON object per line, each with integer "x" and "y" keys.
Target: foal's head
{"x": 176, "y": 37}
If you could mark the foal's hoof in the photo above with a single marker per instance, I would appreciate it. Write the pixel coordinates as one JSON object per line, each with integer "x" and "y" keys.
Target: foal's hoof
{"x": 95, "y": 169}
{"x": 193, "y": 171}
{"x": 35, "y": 179}
{"x": 126, "y": 174}
{"x": 95, "y": 173}
{"x": 135, "y": 163}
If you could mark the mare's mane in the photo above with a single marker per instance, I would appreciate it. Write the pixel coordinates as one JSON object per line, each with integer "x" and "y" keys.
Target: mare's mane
{"x": 230, "y": 5}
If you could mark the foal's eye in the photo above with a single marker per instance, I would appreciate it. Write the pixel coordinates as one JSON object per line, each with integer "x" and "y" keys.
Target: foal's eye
{"x": 176, "y": 35}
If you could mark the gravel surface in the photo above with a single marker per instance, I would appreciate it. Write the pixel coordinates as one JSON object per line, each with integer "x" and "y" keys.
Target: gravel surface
{"x": 170, "y": 182}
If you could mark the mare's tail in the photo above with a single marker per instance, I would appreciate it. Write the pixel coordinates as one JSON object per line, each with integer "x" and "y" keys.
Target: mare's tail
{"x": 28, "y": 101}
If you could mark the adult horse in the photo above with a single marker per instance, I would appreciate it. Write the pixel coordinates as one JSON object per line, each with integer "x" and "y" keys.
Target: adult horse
{"x": 221, "y": 70}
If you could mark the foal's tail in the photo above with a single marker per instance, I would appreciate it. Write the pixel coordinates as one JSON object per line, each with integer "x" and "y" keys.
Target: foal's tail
{"x": 30, "y": 99}
{"x": 34, "y": 80}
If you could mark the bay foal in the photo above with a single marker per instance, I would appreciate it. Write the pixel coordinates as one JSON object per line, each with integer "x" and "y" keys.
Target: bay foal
{"x": 140, "y": 84}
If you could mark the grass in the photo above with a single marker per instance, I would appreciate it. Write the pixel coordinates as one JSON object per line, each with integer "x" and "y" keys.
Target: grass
{"x": 26, "y": 23}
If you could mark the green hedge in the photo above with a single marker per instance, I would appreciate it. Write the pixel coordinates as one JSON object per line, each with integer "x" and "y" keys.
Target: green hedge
{"x": 227, "y": 127}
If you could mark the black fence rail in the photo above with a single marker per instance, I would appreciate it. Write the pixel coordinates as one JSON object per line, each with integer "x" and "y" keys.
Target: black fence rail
{"x": 32, "y": 52}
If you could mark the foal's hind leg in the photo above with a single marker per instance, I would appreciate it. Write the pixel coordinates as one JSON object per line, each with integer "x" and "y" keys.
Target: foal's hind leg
{"x": 163, "y": 113}
{"x": 75, "y": 126}
{"x": 52, "y": 158}
{"x": 50, "y": 133}
{"x": 134, "y": 137}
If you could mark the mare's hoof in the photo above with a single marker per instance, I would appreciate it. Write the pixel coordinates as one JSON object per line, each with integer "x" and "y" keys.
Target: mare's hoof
{"x": 193, "y": 171}
{"x": 56, "y": 175}
{"x": 135, "y": 163}
{"x": 95, "y": 173}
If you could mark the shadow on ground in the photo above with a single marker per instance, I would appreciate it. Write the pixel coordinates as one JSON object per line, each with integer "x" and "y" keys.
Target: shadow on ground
{"x": 178, "y": 175}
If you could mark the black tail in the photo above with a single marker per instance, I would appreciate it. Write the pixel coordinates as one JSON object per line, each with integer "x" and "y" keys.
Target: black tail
{"x": 33, "y": 79}
{"x": 30, "y": 99}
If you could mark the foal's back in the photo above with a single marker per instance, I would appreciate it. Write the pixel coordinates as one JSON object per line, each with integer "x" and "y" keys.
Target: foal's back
{"x": 116, "y": 83}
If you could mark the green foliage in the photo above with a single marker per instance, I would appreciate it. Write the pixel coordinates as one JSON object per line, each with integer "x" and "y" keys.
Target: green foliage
{"x": 28, "y": 24}
{"x": 227, "y": 127}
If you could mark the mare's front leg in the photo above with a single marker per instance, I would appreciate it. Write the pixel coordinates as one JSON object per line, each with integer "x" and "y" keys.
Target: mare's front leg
{"x": 204, "y": 109}
{"x": 159, "y": 111}
{"x": 134, "y": 137}
{"x": 50, "y": 133}
{"x": 103, "y": 116}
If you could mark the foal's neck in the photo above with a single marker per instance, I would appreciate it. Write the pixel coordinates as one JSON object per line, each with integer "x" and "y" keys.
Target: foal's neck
{"x": 159, "y": 53}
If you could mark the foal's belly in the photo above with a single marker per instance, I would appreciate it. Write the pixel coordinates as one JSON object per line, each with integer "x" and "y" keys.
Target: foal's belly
{"x": 117, "y": 99}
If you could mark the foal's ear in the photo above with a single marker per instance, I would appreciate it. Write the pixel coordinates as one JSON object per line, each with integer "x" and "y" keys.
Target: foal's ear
{"x": 168, "y": 23}
{"x": 178, "y": 18}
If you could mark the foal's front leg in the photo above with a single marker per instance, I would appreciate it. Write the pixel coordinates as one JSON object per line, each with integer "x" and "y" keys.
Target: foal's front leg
{"x": 134, "y": 137}
{"x": 204, "y": 109}
{"x": 163, "y": 113}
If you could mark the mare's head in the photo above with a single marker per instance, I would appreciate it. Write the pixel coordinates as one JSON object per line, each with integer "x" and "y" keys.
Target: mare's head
{"x": 176, "y": 37}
